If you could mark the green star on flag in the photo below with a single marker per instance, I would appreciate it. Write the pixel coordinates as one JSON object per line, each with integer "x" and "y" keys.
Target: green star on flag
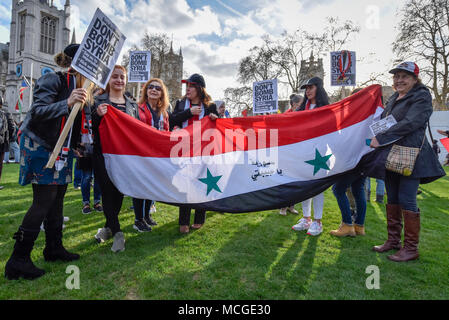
{"x": 211, "y": 182}
{"x": 319, "y": 162}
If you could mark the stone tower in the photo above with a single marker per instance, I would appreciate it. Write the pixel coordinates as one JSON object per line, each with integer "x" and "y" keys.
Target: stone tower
{"x": 312, "y": 68}
{"x": 38, "y": 32}
{"x": 171, "y": 74}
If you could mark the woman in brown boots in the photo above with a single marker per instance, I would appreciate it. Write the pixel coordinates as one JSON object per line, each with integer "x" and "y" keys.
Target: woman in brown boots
{"x": 411, "y": 106}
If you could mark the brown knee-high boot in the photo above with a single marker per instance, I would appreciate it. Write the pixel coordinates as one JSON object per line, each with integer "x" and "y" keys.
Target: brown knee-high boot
{"x": 412, "y": 226}
{"x": 394, "y": 229}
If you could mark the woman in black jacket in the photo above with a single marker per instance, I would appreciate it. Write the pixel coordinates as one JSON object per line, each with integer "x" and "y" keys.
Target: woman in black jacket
{"x": 315, "y": 97}
{"x": 111, "y": 196}
{"x": 54, "y": 95}
{"x": 195, "y": 105}
{"x": 411, "y": 106}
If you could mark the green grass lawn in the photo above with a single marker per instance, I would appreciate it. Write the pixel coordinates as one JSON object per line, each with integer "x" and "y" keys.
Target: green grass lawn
{"x": 234, "y": 256}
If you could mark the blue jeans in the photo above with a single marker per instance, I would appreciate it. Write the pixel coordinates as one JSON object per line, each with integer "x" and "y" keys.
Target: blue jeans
{"x": 86, "y": 180}
{"x": 357, "y": 184}
{"x": 380, "y": 186}
{"x": 402, "y": 190}
{"x": 77, "y": 175}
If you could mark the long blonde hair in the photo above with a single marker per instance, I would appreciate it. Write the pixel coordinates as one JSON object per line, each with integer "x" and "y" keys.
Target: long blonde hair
{"x": 163, "y": 103}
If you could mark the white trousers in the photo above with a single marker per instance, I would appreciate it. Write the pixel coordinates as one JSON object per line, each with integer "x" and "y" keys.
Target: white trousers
{"x": 318, "y": 202}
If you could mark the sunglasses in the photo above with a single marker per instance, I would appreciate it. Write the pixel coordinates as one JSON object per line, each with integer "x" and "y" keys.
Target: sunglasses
{"x": 158, "y": 88}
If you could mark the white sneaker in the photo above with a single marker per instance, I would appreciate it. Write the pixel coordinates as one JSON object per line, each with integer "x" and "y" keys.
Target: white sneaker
{"x": 315, "y": 229}
{"x": 152, "y": 208}
{"x": 292, "y": 210}
{"x": 66, "y": 219}
{"x": 119, "y": 242}
{"x": 283, "y": 211}
{"x": 303, "y": 224}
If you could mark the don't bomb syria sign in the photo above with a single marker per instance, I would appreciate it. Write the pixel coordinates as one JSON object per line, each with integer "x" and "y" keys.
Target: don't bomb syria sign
{"x": 100, "y": 49}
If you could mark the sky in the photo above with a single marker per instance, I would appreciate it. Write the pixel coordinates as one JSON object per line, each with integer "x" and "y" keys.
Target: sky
{"x": 215, "y": 35}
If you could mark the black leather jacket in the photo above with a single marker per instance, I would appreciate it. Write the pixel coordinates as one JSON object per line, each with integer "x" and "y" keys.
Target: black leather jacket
{"x": 43, "y": 121}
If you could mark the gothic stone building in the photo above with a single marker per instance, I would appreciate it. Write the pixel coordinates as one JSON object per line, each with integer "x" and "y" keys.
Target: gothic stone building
{"x": 38, "y": 31}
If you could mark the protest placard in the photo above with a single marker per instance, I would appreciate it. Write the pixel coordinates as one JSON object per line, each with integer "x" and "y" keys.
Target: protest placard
{"x": 139, "y": 66}
{"x": 95, "y": 59}
{"x": 265, "y": 96}
{"x": 343, "y": 68}
{"x": 100, "y": 49}
{"x": 382, "y": 125}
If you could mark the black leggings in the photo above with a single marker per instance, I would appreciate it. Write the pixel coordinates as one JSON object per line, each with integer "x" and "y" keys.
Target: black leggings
{"x": 47, "y": 207}
{"x": 111, "y": 196}
{"x": 184, "y": 216}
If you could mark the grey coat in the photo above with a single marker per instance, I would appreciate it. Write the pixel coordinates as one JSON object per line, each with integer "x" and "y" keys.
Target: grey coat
{"x": 412, "y": 113}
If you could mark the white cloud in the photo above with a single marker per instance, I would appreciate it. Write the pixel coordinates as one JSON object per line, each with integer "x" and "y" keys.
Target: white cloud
{"x": 218, "y": 60}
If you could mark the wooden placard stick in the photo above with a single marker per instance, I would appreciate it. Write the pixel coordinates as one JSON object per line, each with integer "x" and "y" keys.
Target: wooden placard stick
{"x": 68, "y": 125}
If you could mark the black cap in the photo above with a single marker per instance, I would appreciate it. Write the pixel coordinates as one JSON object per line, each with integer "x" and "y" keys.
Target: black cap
{"x": 315, "y": 80}
{"x": 197, "y": 79}
{"x": 71, "y": 50}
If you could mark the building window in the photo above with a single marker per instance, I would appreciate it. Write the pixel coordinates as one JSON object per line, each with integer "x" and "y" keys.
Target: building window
{"x": 48, "y": 34}
{"x": 22, "y": 20}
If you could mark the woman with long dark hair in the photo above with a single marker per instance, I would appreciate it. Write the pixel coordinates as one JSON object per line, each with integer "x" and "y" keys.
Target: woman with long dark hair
{"x": 195, "y": 105}
{"x": 112, "y": 198}
{"x": 53, "y": 97}
{"x": 315, "y": 97}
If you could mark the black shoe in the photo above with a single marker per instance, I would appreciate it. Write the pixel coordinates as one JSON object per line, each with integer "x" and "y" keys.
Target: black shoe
{"x": 141, "y": 226}
{"x": 59, "y": 253}
{"x": 54, "y": 250}
{"x": 150, "y": 221}
{"x": 419, "y": 191}
{"x": 98, "y": 207}
{"x": 20, "y": 264}
{"x": 87, "y": 209}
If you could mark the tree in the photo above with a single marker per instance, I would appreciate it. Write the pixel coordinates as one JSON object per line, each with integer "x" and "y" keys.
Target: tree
{"x": 335, "y": 35}
{"x": 238, "y": 99}
{"x": 288, "y": 52}
{"x": 424, "y": 37}
{"x": 258, "y": 66}
{"x": 281, "y": 58}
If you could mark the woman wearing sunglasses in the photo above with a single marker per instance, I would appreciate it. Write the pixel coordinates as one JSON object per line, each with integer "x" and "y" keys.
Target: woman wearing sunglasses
{"x": 153, "y": 106}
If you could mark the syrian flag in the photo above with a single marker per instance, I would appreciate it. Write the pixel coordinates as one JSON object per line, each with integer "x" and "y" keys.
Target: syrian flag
{"x": 241, "y": 164}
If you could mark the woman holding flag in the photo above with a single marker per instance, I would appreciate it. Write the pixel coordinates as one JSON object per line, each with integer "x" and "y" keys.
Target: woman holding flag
{"x": 315, "y": 97}
{"x": 114, "y": 96}
{"x": 195, "y": 105}
{"x": 54, "y": 95}
{"x": 153, "y": 110}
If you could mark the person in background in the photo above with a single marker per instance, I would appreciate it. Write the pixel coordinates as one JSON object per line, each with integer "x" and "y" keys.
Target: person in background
{"x": 315, "y": 97}
{"x": 195, "y": 105}
{"x": 112, "y": 198}
{"x": 53, "y": 97}
{"x": 221, "y": 108}
{"x": 351, "y": 185}
{"x": 85, "y": 163}
{"x": 380, "y": 190}
{"x": 295, "y": 103}
{"x": 411, "y": 106}
{"x": 153, "y": 110}
{"x": 6, "y": 134}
